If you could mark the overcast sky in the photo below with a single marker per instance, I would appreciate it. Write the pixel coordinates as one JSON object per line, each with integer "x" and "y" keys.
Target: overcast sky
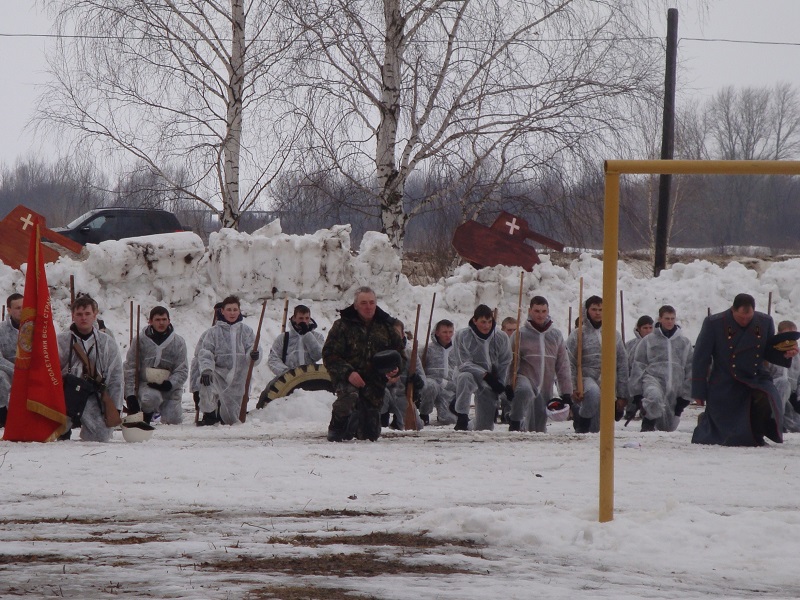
{"x": 705, "y": 65}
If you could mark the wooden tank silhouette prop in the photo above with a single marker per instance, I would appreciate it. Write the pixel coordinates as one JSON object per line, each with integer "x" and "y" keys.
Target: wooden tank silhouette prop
{"x": 501, "y": 244}
{"x": 15, "y": 235}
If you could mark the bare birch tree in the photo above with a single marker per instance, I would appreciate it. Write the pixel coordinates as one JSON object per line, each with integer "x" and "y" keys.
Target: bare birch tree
{"x": 169, "y": 84}
{"x": 501, "y": 87}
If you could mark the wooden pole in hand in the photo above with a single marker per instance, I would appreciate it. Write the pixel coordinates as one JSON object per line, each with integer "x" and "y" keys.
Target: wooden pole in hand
{"x": 518, "y": 337}
{"x": 71, "y": 291}
{"x": 569, "y": 321}
{"x": 579, "y": 359}
{"x": 136, "y": 361}
{"x": 769, "y": 304}
{"x": 246, "y": 397}
{"x": 622, "y": 315}
{"x": 428, "y": 335}
{"x": 410, "y": 419}
{"x": 285, "y": 315}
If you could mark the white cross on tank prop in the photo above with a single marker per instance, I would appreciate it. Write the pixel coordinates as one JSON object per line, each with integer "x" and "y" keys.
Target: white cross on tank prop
{"x": 512, "y": 226}
{"x": 26, "y": 221}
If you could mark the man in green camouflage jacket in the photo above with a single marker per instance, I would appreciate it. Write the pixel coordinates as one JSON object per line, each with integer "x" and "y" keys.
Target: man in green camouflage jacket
{"x": 362, "y": 330}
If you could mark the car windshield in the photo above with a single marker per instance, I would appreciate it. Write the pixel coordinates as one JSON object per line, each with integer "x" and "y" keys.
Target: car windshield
{"x": 81, "y": 219}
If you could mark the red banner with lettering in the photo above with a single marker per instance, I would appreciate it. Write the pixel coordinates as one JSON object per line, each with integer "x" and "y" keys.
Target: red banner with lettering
{"x": 36, "y": 409}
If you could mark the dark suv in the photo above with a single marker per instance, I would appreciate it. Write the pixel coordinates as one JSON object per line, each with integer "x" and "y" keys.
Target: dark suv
{"x": 104, "y": 224}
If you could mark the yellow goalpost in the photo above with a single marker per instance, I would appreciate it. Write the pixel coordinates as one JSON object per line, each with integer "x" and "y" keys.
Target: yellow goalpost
{"x": 613, "y": 170}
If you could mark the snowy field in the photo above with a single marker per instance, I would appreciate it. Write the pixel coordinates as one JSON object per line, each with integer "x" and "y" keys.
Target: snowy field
{"x": 269, "y": 509}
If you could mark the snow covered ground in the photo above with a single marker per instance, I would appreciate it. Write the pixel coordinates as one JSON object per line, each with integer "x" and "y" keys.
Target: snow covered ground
{"x": 269, "y": 509}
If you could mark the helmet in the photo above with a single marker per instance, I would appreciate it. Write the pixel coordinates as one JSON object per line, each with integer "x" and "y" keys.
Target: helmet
{"x": 137, "y": 431}
{"x": 386, "y": 361}
{"x": 557, "y": 410}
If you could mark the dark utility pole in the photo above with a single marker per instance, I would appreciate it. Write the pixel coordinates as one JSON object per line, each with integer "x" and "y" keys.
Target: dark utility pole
{"x": 667, "y": 142}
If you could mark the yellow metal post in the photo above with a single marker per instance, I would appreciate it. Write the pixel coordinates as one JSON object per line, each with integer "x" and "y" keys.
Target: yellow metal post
{"x": 608, "y": 365}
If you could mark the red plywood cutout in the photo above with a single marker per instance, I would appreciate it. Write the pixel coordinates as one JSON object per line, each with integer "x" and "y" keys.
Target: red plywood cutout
{"x": 15, "y": 235}
{"x": 501, "y": 244}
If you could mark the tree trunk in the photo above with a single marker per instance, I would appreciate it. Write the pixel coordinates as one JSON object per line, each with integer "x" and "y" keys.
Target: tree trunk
{"x": 390, "y": 180}
{"x": 231, "y": 147}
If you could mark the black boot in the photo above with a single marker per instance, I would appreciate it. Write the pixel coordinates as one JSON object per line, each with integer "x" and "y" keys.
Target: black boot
{"x": 385, "y": 419}
{"x": 462, "y": 424}
{"x": 394, "y": 424}
{"x": 648, "y": 424}
{"x": 211, "y": 418}
{"x": 263, "y": 399}
{"x": 581, "y": 424}
{"x": 3, "y": 416}
{"x": 426, "y": 419}
{"x": 147, "y": 417}
{"x": 337, "y": 429}
{"x": 514, "y": 425}
{"x": 370, "y": 424}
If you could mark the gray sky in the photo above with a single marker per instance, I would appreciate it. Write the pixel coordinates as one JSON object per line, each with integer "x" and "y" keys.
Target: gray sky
{"x": 705, "y": 66}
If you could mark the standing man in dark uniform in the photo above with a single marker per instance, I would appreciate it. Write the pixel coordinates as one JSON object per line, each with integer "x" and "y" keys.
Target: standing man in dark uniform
{"x": 362, "y": 330}
{"x": 729, "y": 374}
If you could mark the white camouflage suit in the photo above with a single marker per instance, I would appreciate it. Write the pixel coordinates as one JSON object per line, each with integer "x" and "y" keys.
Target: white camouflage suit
{"x": 8, "y": 356}
{"x": 476, "y": 357}
{"x": 394, "y": 398}
{"x": 440, "y": 386}
{"x": 302, "y": 350}
{"x": 169, "y": 355}
{"x": 662, "y": 372}
{"x": 630, "y": 348}
{"x": 589, "y": 407}
{"x": 104, "y": 355}
{"x": 224, "y": 350}
{"x": 543, "y": 361}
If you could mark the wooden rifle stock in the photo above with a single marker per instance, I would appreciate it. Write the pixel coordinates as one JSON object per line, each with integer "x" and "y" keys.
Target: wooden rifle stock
{"x": 285, "y": 314}
{"x": 246, "y": 397}
{"x": 410, "y": 420}
{"x": 428, "y": 334}
{"x": 579, "y": 358}
{"x": 518, "y": 338}
{"x": 136, "y": 361}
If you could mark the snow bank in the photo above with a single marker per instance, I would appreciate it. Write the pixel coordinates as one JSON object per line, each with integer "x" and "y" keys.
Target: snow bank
{"x": 320, "y": 270}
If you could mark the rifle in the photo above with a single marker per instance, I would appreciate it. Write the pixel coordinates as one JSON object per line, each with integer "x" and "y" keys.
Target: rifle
{"x": 136, "y": 371}
{"x": 579, "y": 358}
{"x": 410, "y": 420}
{"x": 246, "y": 397}
{"x": 285, "y": 314}
{"x": 71, "y": 291}
{"x": 428, "y": 334}
{"x": 518, "y": 338}
{"x": 130, "y": 327}
{"x": 622, "y": 316}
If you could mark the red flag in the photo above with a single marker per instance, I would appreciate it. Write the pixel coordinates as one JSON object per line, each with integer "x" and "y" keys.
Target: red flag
{"x": 36, "y": 409}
